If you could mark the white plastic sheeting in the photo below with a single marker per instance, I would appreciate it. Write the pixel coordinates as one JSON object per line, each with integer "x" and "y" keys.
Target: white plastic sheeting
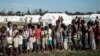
{"x": 34, "y": 18}
{"x": 52, "y": 17}
{"x": 93, "y": 16}
{"x": 1, "y": 19}
{"x": 12, "y": 18}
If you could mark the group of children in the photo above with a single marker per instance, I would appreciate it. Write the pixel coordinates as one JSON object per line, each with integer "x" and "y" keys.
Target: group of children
{"x": 37, "y": 38}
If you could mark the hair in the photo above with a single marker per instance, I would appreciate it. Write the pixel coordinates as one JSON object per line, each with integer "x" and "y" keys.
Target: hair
{"x": 90, "y": 23}
{"x": 3, "y": 29}
{"x": 83, "y": 21}
{"x": 29, "y": 25}
{"x": 20, "y": 31}
{"x": 8, "y": 24}
{"x": 69, "y": 26}
{"x": 50, "y": 25}
{"x": 42, "y": 28}
{"x": 33, "y": 27}
{"x": 62, "y": 25}
{"x": 15, "y": 25}
{"x": 38, "y": 26}
{"x": 65, "y": 27}
{"x": 46, "y": 27}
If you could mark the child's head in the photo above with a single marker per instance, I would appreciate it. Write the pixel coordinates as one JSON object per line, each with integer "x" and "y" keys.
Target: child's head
{"x": 69, "y": 26}
{"x": 42, "y": 28}
{"x": 3, "y": 29}
{"x": 15, "y": 26}
{"x": 38, "y": 26}
{"x": 46, "y": 27}
{"x": 65, "y": 27}
{"x": 25, "y": 28}
{"x": 33, "y": 27}
{"x": 9, "y": 24}
{"x": 50, "y": 25}
{"x": 20, "y": 32}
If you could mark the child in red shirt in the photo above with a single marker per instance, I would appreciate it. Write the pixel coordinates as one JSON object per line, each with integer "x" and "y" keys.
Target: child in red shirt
{"x": 38, "y": 35}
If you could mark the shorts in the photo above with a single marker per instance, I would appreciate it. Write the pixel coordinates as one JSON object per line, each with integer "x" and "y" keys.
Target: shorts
{"x": 9, "y": 46}
{"x": 58, "y": 40}
{"x": 29, "y": 45}
{"x": 24, "y": 43}
{"x": 20, "y": 47}
{"x": 38, "y": 42}
{"x": 54, "y": 42}
{"x": 16, "y": 45}
{"x": 49, "y": 42}
{"x": 4, "y": 43}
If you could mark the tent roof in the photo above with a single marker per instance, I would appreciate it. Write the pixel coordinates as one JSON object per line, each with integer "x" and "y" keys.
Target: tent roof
{"x": 35, "y": 18}
{"x": 12, "y": 18}
{"x": 52, "y": 17}
{"x": 1, "y": 19}
{"x": 93, "y": 16}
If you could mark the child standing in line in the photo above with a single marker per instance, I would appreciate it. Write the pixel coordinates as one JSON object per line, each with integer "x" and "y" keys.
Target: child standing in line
{"x": 10, "y": 44}
{"x": 43, "y": 38}
{"x": 79, "y": 39}
{"x": 34, "y": 39}
{"x": 46, "y": 38}
{"x": 58, "y": 39}
{"x": 54, "y": 38}
{"x": 15, "y": 30}
{"x": 38, "y": 35}
{"x": 30, "y": 44}
{"x": 91, "y": 40}
{"x": 25, "y": 37}
{"x": 4, "y": 40}
{"x": 9, "y": 28}
{"x": 97, "y": 35}
{"x": 50, "y": 38}
{"x": 69, "y": 38}
{"x": 65, "y": 38}
{"x": 20, "y": 37}
{"x": 30, "y": 39}
{"x": 15, "y": 43}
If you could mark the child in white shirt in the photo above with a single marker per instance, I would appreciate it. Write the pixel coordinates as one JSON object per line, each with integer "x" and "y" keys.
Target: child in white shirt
{"x": 9, "y": 44}
{"x": 20, "y": 38}
{"x": 15, "y": 43}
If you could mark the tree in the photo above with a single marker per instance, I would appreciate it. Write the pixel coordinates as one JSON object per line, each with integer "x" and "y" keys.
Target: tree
{"x": 98, "y": 12}
{"x": 2, "y": 13}
{"x": 69, "y": 13}
{"x": 88, "y": 13}
{"x": 18, "y": 13}
{"x": 10, "y": 13}
{"x": 28, "y": 12}
{"x": 77, "y": 13}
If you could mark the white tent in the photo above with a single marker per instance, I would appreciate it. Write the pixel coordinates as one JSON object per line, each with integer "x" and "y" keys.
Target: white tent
{"x": 2, "y": 19}
{"x": 52, "y": 17}
{"x": 35, "y": 18}
{"x": 85, "y": 17}
{"x": 93, "y": 16}
{"x": 12, "y": 18}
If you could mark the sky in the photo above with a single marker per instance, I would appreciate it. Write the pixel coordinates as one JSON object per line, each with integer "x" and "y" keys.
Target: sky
{"x": 51, "y": 5}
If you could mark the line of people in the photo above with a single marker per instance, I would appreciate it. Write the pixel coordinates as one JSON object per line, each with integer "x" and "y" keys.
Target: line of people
{"x": 36, "y": 38}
